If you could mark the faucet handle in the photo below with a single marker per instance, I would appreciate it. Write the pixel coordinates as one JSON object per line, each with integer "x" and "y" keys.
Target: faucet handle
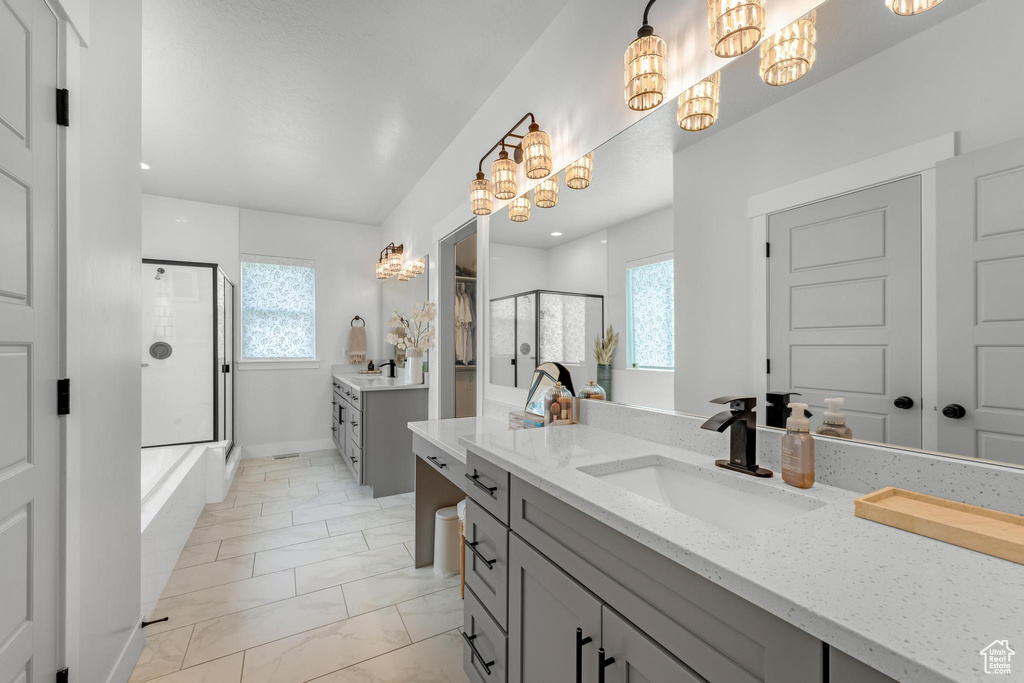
{"x": 743, "y": 403}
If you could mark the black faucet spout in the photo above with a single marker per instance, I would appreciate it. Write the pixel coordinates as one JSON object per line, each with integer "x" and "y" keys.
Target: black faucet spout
{"x": 741, "y": 421}
{"x": 722, "y": 421}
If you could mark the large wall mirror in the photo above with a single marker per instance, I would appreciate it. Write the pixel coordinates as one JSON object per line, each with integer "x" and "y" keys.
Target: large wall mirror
{"x": 401, "y": 295}
{"x": 856, "y": 234}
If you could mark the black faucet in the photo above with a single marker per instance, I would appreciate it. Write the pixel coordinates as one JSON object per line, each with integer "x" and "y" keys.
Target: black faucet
{"x": 777, "y": 409}
{"x": 742, "y": 420}
{"x": 390, "y": 366}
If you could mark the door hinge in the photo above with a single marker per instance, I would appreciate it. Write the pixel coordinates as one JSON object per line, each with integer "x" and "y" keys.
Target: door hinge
{"x": 62, "y": 676}
{"x": 63, "y": 107}
{"x": 64, "y": 396}
{"x": 225, "y": 368}
{"x": 767, "y": 249}
{"x": 768, "y": 365}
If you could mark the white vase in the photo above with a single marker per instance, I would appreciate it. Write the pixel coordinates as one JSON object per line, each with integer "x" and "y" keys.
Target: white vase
{"x": 414, "y": 366}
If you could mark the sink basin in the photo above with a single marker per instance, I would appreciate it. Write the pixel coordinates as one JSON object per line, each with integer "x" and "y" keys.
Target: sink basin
{"x": 730, "y": 501}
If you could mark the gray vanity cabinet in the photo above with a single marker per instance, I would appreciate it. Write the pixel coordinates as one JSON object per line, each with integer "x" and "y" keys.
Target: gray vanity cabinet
{"x": 632, "y": 657}
{"x": 546, "y": 607}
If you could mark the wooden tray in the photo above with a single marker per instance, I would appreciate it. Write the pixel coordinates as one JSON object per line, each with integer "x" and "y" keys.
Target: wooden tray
{"x": 987, "y": 531}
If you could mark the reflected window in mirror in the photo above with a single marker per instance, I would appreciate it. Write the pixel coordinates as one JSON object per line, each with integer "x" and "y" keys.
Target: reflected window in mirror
{"x": 650, "y": 322}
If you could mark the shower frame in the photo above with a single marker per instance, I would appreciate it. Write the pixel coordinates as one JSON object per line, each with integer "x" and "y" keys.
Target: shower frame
{"x": 217, "y": 369}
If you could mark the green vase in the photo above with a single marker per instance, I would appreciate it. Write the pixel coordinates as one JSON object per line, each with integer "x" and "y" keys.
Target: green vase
{"x": 604, "y": 380}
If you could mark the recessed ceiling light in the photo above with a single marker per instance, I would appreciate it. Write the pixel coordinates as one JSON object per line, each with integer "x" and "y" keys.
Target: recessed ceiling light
{"x": 144, "y": 165}
{"x": 556, "y": 234}
{"x": 604, "y": 241}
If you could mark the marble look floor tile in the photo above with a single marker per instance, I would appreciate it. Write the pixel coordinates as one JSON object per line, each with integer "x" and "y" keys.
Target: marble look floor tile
{"x": 396, "y": 501}
{"x": 341, "y": 476}
{"x": 320, "y": 454}
{"x": 229, "y": 515}
{"x": 210, "y": 603}
{"x": 257, "y": 486}
{"x": 265, "y": 540}
{"x": 323, "y": 650}
{"x": 205, "y": 575}
{"x": 288, "y": 504}
{"x": 323, "y": 512}
{"x": 309, "y": 552}
{"x": 366, "y": 595}
{"x": 306, "y": 471}
{"x": 432, "y": 614}
{"x": 223, "y": 670}
{"x": 228, "y": 502}
{"x": 276, "y": 466}
{"x": 369, "y": 520}
{"x": 191, "y": 555}
{"x": 361, "y": 493}
{"x": 437, "y": 660}
{"x": 392, "y": 534}
{"x": 411, "y": 547}
{"x": 250, "y": 477}
{"x": 253, "y": 497}
{"x": 325, "y": 459}
{"x": 218, "y": 532}
{"x": 254, "y": 627}
{"x": 162, "y": 655}
{"x": 339, "y": 484}
{"x": 313, "y": 577}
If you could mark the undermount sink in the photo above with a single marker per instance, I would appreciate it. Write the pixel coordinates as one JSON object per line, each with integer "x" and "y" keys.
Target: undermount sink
{"x": 732, "y": 502}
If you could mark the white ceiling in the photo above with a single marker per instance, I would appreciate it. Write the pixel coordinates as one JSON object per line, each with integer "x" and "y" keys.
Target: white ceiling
{"x": 317, "y": 107}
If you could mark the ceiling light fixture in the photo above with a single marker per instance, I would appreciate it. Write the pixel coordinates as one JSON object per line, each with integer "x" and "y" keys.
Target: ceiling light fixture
{"x": 787, "y": 56}
{"x": 519, "y": 209}
{"x": 545, "y": 195}
{"x": 556, "y": 234}
{"x": 144, "y": 166}
{"x": 645, "y": 64}
{"x": 579, "y": 173}
{"x": 481, "y": 195}
{"x": 418, "y": 267}
{"x": 503, "y": 170}
{"x": 698, "y": 106}
{"x": 908, "y": 8}
{"x": 390, "y": 261}
{"x": 736, "y": 26}
{"x": 533, "y": 150}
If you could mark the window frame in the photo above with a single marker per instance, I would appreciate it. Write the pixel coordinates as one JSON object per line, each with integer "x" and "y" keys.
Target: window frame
{"x": 280, "y": 362}
{"x": 631, "y": 363}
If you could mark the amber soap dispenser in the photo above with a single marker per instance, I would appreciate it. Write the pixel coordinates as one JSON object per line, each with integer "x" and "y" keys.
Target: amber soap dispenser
{"x": 798, "y": 449}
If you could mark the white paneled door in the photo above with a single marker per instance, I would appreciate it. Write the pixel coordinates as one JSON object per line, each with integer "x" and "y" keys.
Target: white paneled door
{"x": 980, "y": 249}
{"x": 844, "y": 308}
{"x": 29, "y": 430}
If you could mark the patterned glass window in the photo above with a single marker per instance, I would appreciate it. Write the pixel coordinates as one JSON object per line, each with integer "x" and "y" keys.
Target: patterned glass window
{"x": 650, "y": 324}
{"x": 278, "y": 308}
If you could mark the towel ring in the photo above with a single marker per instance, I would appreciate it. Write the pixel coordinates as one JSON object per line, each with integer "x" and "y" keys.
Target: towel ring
{"x": 352, "y": 323}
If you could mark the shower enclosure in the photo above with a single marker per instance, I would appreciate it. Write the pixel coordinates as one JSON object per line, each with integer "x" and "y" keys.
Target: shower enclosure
{"x": 542, "y": 326}
{"x": 187, "y": 353}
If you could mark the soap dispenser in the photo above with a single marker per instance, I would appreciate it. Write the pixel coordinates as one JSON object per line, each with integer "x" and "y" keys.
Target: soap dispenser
{"x": 834, "y": 420}
{"x": 798, "y": 449}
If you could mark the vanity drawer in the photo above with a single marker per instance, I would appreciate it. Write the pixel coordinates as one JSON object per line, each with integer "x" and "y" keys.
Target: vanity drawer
{"x": 442, "y": 461}
{"x": 354, "y": 455}
{"x": 487, "y": 561}
{"x": 487, "y": 484}
{"x": 355, "y": 427}
{"x": 485, "y": 646}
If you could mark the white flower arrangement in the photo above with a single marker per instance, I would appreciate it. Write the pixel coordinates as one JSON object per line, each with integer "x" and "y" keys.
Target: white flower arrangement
{"x": 415, "y": 333}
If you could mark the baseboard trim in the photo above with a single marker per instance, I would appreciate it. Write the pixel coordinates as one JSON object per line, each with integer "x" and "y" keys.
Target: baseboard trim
{"x": 270, "y": 449}
{"x": 129, "y": 657}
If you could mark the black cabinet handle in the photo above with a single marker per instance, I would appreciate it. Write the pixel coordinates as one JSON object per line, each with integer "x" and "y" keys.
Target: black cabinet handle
{"x": 353, "y": 459}
{"x": 479, "y": 555}
{"x": 354, "y": 423}
{"x": 440, "y": 465}
{"x": 476, "y": 653}
{"x": 603, "y": 663}
{"x": 954, "y": 411}
{"x": 334, "y": 429}
{"x": 580, "y": 642}
{"x": 475, "y": 478}
{"x": 904, "y": 402}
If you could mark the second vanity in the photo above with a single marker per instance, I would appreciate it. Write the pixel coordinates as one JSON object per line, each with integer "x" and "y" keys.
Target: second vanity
{"x": 597, "y": 556}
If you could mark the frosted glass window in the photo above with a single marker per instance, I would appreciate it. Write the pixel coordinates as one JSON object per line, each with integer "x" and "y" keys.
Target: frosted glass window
{"x": 278, "y": 308}
{"x": 650, "y": 323}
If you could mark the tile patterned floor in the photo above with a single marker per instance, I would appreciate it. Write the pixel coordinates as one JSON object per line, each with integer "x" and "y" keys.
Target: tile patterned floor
{"x": 300, "y": 576}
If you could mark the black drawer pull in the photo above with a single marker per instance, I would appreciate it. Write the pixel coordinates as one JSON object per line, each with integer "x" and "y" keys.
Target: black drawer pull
{"x": 602, "y": 664}
{"x": 476, "y": 653}
{"x": 353, "y": 459}
{"x": 475, "y": 478}
{"x": 440, "y": 465}
{"x": 354, "y": 423}
{"x": 580, "y": 642}
{"x": 479, "y": 555}
{"x": 334, "y": 429}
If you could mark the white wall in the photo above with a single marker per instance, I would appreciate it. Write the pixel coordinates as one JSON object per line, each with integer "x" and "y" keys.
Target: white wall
{"x": 579, "y": 265}
{"x": 907, "y": 94}
{"x": 516, "y": 269}
{"x": 181, "y": 230}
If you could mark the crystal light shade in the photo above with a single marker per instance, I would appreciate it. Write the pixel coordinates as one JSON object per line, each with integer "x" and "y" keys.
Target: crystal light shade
{"x": 395, "y": 261}
{"x": 503, "y": 172}
{"x": 418, "y": 267}
{"x": 698, "y": 106}
{"x": 481, "y": 195}
{"x": 736, "y": 25}
{"x": 405, "y": 274}
{"x": 536, "y": 153}
{"x": 519, "y": 209}
{"x": 907, "y": 8}
{"x": 383, "y": 272}
{"x": 579, "y": 172}
{"x": 645, "y": 62}
{"x": 789, "y": 54}
{"x": 545, "y": 195}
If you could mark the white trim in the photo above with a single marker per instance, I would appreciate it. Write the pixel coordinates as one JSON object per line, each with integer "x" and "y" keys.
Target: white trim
{"x": 649, "y": 260}
{"x": 279, "y": 364}
{"x": 285, "y": 447}
{"x": 125, "y": 664}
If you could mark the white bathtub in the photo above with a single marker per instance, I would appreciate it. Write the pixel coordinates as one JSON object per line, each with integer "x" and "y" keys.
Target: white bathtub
{"x": 177, "y": 482}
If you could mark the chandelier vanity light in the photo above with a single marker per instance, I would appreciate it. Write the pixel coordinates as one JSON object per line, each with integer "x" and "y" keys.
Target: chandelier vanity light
{"x": 735, "y": 26}
{"x": 645, "y": 65}
{"x": 579, "y": 172}
{"x": 532, "y": 150}
{"x": 698, "y": 106}
{"x": 519, "y": 209}
{"x": 545, "y": 195}
{"x": 908, "y": 8}
{"x": 788, "y": 55}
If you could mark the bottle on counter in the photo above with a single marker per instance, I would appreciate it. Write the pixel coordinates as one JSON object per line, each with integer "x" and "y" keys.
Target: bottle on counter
{"x": 798, "y": 449}
{"x": 369, "y": 366}
{"x": 834, "y": 420}
{"x": 557, "y": 404}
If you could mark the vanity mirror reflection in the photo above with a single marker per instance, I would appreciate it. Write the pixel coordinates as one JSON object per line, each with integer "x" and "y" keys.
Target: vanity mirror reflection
{"x": 812, "y": 240}
{"x": 401, "y": 293}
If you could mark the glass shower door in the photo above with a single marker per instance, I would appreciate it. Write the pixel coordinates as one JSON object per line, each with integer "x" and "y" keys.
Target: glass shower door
{"x": 526, "y": 338}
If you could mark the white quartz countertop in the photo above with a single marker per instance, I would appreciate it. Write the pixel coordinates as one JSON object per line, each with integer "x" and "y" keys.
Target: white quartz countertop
{"x": 445, "y": 434}
{"x": 377, "y": 382}
{"x": 914, "y": 608}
